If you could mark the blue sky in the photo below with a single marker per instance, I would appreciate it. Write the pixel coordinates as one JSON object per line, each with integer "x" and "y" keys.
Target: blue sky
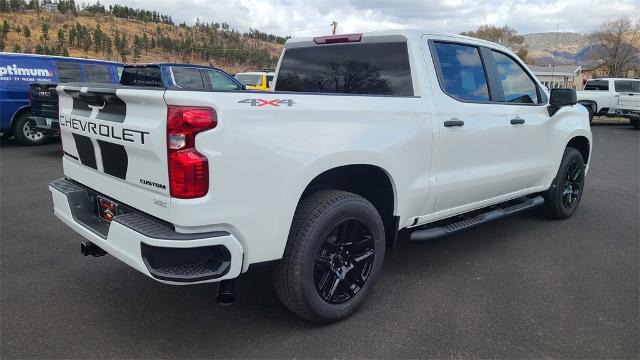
{"x": 312, "y": 17}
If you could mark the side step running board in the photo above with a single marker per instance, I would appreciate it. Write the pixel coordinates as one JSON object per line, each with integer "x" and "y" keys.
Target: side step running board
{"x": 459, "y": 223}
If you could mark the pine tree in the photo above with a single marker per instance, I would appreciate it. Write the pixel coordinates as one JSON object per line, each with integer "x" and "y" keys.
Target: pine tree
{"x": 136, "y": 48}
{"x": 5, "y": 29}
{"x": 60, "y": 37}
{"x": 16, "y": 48}
{"x": 72, "y": 36}
{"x": 98, "y": 36}
{"x": 108, "y": 46}
{"x": 45, "y": 33}
{"x": 145, "y": 42}
{"x": 26, "y": 32}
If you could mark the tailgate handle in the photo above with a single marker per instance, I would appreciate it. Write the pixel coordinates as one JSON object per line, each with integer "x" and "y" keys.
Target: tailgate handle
{"x": 92, "y": 99}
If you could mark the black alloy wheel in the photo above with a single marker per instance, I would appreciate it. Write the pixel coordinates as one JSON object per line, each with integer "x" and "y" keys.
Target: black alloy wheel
{"x": 563, "y": 197}
{"x": 344, "y": 261}
{"x": 572, "y": 184}
{"x": 333, "y": 256}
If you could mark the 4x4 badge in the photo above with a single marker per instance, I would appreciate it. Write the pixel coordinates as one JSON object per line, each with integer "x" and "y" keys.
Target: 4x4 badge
{"x": 263, "y": 102}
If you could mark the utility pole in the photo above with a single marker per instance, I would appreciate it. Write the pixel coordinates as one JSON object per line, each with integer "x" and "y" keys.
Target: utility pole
{"x": 334, "y": 26}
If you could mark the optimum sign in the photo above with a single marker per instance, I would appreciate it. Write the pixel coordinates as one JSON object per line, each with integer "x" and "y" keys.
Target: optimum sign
{"x": 13, "y": 70}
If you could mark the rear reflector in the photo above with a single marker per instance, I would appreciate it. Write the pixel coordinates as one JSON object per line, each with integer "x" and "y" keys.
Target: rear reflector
{"x": 188, "y": 174}
{"x": 336, "y": 39}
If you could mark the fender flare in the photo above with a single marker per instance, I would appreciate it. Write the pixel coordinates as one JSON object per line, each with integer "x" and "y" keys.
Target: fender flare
{"x": 593, "y": 104}
{"x": 17, "y": 114}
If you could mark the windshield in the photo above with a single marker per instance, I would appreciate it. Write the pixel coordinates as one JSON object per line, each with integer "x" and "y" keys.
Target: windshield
{"x": 249, "y": 79}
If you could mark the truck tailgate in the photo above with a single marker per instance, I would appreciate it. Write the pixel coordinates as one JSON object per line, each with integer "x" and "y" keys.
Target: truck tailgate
{"x": 114, "y": 141}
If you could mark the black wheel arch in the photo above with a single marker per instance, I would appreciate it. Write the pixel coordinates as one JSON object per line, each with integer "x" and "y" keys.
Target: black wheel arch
{"x": 369, "y": 181}
{"x": 589, "y": 104}
{"x": 22, "y": 111}
{"x": 581, "y": 144}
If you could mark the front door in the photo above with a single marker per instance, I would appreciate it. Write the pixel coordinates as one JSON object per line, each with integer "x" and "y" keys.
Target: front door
{"x": 529, "y": 140}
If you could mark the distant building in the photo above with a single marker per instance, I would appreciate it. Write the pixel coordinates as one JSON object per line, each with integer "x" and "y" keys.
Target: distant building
{"x": 559, "y": 76}
{"x": 599, "y": 70}
{"x": 50, "y": 5}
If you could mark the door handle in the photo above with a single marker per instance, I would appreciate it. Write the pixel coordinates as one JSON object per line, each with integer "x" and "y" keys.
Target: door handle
{"x": 453, "y": 123}
{"x": 517, "y": 121}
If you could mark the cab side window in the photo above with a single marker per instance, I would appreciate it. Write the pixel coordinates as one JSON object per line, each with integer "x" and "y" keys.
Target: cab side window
{"x": 517, "y": 85}
{"x": 627, "y": 86}
{"x": 220, "y": 81}
{"x": 68, "y": 72}
{"x": 597, "y": 85}
{"x": 462, "y": 74}
{"x": 187, "y": 78}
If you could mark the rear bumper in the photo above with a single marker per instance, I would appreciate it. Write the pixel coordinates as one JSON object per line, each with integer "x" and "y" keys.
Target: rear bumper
{"x": 630, "y": 113}
{"x": 46, "y": 125}
{"x": 148, "y": 245}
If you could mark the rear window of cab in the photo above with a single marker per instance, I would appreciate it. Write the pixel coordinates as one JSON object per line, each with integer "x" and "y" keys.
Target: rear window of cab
{"x": 362, "y": 68}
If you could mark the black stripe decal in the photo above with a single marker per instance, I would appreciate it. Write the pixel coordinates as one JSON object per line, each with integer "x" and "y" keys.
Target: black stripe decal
{"x": 110, "y": 106}
{"x": 114, "y": 159}
{"x": 71, "y": 156}
{"x": 85, "y": 150}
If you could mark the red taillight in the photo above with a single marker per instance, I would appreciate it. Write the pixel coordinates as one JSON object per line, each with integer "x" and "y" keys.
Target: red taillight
{"x": 188, "y": 169}
{"x": 336, "y": 39}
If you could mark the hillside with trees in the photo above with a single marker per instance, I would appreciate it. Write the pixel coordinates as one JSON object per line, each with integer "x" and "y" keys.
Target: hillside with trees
{"x": 614, "y": 45}
{"x": 126, "y": 34}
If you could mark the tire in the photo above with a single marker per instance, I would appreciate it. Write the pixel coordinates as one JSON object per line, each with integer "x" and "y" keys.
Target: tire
{"x": 563, "y": 197}
{"x": 318, "y": 278}
{"x": 635, "y": 122}
{"x": 25, "y": 134}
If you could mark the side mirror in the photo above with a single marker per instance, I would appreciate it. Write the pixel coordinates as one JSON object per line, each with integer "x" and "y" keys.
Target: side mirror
{"x": 560, "y": 98}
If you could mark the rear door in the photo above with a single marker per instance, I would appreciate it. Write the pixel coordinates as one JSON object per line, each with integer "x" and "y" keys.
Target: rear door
{"x": 114, "y": 141}
{"x": 629, "y": 94}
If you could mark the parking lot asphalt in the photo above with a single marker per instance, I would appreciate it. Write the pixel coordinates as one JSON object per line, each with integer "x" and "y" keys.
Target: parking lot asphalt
{"x": 523, "y": 287}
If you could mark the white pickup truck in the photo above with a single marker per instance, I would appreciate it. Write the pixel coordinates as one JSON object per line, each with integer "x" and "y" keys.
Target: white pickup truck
{"x": 365, "y": 137}
{"x": 612, "y": 97}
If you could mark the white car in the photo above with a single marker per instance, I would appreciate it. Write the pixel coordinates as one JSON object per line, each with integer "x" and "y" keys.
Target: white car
{"x": 612, "y": 97}
{"x": 365, "y": 135}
